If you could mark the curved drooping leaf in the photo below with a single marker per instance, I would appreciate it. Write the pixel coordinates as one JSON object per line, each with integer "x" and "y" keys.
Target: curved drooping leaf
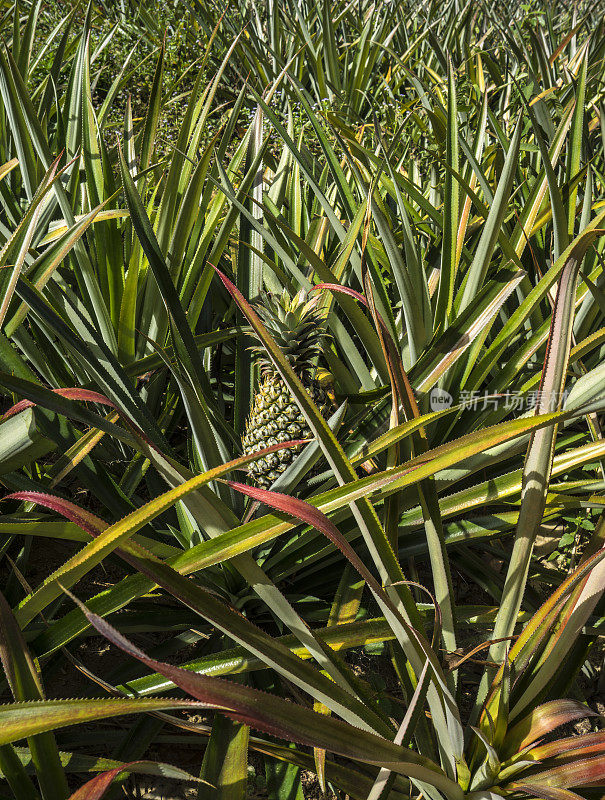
{"x": 288, "y": 720}
{"x": 97, "y": 787}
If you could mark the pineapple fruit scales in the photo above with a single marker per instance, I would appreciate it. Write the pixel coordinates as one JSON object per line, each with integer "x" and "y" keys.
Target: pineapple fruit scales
{"x": 298, "y": 328}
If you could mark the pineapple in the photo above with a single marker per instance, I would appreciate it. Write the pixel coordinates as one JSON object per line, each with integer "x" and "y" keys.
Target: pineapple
{"x": 299, "y": 330}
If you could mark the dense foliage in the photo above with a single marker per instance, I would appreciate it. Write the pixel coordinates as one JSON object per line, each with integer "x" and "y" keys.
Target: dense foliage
{"x": 418, "y": 595}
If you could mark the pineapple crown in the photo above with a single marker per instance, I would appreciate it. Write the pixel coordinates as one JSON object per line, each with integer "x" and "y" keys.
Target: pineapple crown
{"x": 297, "y": 326}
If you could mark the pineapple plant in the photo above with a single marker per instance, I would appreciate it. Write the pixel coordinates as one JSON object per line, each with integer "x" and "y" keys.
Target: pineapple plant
{"x": 298, "y": 328}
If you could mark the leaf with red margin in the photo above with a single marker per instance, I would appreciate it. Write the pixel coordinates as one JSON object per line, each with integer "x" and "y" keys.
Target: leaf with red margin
{"x": 396, "y": 369}
{"x": 572, "y": 747}
{"x": 538, "y": 626}
{"x": 89, "y": 522}
{"x": 287, "y": 720}
{"x": 22, "y": 720}
{"x": 85, "y": 395}
{"x": 117, "y": 535}
{"x": 271, "y": 651}
{"x": 305, "y": 512}
{"x": 585, "y": 772}
{"x": 543, "y": 792}
{"x": 69, "y": 393}
{"x": 95, "y": 788}
{"x": 95, "y": 525}
{"x": 313, "y": 516}
{"x": 543, "y": 719}
{"x": 402, "y": 392}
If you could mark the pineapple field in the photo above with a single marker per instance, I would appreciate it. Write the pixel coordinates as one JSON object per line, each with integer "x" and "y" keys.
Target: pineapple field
{"x": 302, "y": 381}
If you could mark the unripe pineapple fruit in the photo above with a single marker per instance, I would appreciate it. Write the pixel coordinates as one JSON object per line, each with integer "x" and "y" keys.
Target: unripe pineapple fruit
{"x": 298, "y": 328}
